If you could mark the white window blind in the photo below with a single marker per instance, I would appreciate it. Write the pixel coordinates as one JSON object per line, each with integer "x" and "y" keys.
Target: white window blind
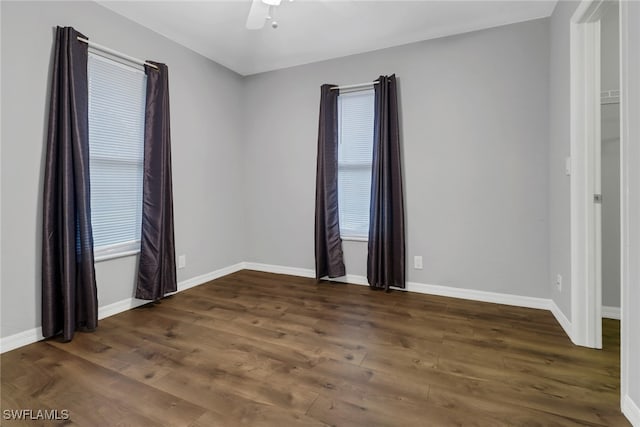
{"x": 116, "y": 141}
{"x": 355, "y": 152}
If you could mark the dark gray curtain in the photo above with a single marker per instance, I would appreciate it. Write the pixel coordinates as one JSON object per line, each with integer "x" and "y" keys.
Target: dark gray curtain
{"x": 328, "y": 244}
{"x": 386, "y": 258}
{"x": 157, "y": 267}
{"x": 69, "y": 294}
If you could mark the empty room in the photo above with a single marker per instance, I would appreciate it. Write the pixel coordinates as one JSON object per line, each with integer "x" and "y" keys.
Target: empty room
{"x": 320, "y": 213}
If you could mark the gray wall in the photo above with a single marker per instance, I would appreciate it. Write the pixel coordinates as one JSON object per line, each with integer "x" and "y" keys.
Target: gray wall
{"x": 474, "y": 136}
{"x": 205, "y": 118}
{"x": 610, "y": 80}
{"x": 559, "y": 149}
{"x": 610, "y": 48}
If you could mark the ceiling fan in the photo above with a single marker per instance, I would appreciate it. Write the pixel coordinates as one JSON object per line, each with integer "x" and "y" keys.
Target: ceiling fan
{"x": 262, "y": 11}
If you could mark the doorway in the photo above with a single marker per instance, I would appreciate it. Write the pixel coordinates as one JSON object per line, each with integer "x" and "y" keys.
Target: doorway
{"x": 585, "y": 179}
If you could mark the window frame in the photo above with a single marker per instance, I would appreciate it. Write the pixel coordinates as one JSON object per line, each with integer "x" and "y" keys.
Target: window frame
{"x": 349, "y": 234}
{"x": 129, "y": 247}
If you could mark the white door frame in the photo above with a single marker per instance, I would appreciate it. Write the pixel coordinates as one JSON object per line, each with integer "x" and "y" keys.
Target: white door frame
{"x": 630, "y": 203}
{"x": 586, "y": 277}
{"x": 585, "y": 106}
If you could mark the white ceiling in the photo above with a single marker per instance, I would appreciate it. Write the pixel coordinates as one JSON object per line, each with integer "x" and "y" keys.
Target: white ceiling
{"x": 312, "y": 31}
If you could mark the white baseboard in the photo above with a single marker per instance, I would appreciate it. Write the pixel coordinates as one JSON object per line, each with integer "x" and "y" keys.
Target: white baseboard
{"x": 611, "y": 312}
{"x": 475, "y": 295}
{"x": 421, "y": 288}
{"x": 280, "y": 269}
{"x": 20, "y": 339}
{"x": 564, "y": 322}
{"x": 631, "y": 411}
{"x": 119, "y": 307}
{"x": 129, "y": 303}
{"x": 351, "y": 279}
{"x": 33, "y": 335}
{"x": 204, "y": 278}
{"x": 357, "y": 280}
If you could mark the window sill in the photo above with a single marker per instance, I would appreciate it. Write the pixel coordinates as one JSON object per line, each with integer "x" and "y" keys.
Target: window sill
{"x": 355, "y": 238}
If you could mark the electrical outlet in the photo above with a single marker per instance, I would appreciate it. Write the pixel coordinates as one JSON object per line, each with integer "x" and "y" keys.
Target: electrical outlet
{"x": 559, "y": 282}
{"x": 182, "y": 261}
{"x": 417, "y": 262}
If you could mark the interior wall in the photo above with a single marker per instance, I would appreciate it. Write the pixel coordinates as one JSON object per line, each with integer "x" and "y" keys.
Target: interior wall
{"x": 610, "y": 158}
{"x": 610, "y": 48}
{"x": 559, "y": 149}
{"x": 474, "y": 130}
{"x": 206, "y": 114}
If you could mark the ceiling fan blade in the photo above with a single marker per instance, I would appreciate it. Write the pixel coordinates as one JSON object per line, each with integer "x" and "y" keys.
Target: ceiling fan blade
{"x": 257, "y": 15}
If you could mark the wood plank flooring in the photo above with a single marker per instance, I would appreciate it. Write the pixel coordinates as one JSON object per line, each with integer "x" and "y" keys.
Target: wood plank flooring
{"x": 260, "y": 349}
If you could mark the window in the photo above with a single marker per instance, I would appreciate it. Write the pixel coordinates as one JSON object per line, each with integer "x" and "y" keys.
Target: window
{"x": 116, "y": 141}
{"x": 355, "y": 152}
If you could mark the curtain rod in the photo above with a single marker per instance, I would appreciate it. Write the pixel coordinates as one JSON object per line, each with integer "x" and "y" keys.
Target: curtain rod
{"x": 356, "y": 86}
{"x": 116, "y": 53}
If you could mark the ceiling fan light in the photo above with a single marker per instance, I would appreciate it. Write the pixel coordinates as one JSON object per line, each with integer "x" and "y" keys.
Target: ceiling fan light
{"x": 272, "y": 2}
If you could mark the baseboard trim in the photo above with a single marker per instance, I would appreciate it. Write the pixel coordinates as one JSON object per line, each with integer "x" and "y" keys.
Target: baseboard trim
{"x": 204, "y": 278}
{"x": 33, "y": 335}
{"x": 279, "y": 269}
{"x": 119, "y": 307}
{"x": 631, "y": 411}
{"x": 20, "y": 339}
{"x": 421, "y": 288}
{"x": 351, "y": 279}
{"x": 611, "y": 312}
{"x": 475, "y": 295}
{"x": 564, "y": 322}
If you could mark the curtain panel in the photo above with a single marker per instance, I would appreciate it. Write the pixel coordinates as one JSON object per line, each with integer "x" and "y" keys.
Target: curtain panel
{"x": 157, "y": 265}
{"x": 386, "y": 247}
{"x": 328, "y": 244}
{"x": 69, "y": 293}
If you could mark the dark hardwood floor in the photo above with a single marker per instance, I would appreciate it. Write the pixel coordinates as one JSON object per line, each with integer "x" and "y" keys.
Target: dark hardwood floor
{"x": 262, "y": 349}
